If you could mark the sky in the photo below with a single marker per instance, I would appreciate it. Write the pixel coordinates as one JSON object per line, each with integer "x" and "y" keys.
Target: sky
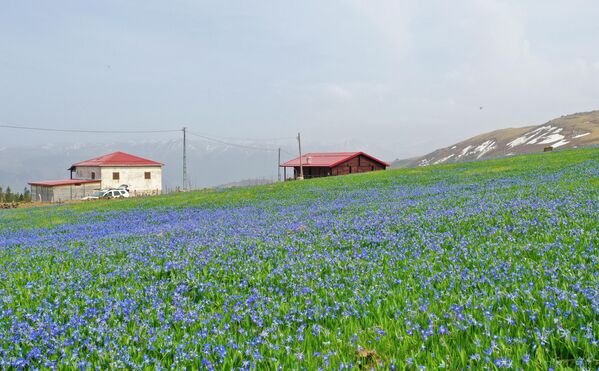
{"x": 404, "y": 76}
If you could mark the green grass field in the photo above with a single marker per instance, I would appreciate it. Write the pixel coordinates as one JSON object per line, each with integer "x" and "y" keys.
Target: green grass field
{"x": 490, "y": 264}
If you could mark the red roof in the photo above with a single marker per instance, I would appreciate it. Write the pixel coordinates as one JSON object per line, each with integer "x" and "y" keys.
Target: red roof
{"x": 327, "y": 159}
{"x": 54, "y": 183}
{"x": 117, "y": 159}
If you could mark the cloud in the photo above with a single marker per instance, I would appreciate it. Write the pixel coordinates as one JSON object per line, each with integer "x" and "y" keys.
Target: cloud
{"x": 391, "y": 18}
{"x": 337, "y": 92}
{"x": 412, "y": 71}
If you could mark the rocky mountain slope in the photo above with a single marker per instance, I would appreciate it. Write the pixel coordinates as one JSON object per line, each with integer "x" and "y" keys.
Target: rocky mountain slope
{"x": 577, "y": 130}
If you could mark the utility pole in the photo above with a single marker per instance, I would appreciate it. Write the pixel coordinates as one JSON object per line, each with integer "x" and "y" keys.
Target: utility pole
{"x": 279, "y": 167}
{"x": 184, "y": 158}
{"x": 299, "y": 144}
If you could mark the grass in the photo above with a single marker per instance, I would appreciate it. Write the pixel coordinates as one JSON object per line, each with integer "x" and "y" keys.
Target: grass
{"x": 490, "y": 264}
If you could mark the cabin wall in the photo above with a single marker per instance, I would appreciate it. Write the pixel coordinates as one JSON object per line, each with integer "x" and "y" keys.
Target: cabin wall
{"x": 313, "y": 172}
{"x": 359, "y": 164}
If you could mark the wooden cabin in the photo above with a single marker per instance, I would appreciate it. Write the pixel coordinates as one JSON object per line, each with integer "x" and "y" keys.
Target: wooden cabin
{"x": 321, "y": 164}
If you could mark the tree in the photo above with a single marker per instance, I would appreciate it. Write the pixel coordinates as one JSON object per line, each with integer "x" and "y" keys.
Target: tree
{"x": 9, "y": 196}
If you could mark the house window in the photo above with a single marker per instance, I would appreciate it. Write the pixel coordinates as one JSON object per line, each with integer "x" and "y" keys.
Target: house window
{"x": 147, "y": 175}
{"x": 93, "y": 175}
{"x": 115, "y": 176}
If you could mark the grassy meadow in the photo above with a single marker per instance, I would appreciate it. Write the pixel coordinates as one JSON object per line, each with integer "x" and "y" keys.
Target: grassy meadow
{"x": 483, "y": 265}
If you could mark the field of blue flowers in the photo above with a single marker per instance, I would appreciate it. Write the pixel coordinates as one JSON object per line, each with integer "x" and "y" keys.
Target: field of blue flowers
{"x": 484, "y": 265}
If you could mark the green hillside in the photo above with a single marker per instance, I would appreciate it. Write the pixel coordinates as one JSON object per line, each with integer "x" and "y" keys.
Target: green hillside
{"x": 489, "y": 264}
{"x": 291, "y": 192}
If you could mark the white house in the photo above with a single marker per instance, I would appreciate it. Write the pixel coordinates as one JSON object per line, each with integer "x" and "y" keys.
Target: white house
{"x": 142, "y": 176}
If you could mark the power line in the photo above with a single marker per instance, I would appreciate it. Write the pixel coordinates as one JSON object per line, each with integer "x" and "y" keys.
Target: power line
{"x": 88, "y": 131}
{"x": 211, "y": 138}
{"x": 233, "y": 144}
{"x": 206, "y": 137}
{"x": 287, "y": 152}
{"x": 183, "y": 130}
{"x": 249, "y": 139}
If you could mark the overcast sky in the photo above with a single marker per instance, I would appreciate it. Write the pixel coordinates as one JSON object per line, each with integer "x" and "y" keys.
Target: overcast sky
{"x": 406, "y": 75}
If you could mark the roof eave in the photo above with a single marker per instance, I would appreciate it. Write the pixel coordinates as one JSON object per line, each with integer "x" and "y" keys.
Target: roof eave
{"x": 303, "y": 165}
{"x": 81, "y": 181}
{"x": 131, "y": 165}
{"x": 352, "y": 156}
{"x": 358, "y": 154}
{"x": 117, "y": 165}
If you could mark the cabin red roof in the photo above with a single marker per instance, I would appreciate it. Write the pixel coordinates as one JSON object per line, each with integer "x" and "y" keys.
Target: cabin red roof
{"x": 327, "y": 159}
{"x": 54, "y": 183}
{"x": 117, "y": 159}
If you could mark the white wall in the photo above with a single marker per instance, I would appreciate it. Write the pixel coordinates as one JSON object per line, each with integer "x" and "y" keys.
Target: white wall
{"x": 62, "y": 193}
{"x": 73, "y": 192}
{"x": 134, "y": 178}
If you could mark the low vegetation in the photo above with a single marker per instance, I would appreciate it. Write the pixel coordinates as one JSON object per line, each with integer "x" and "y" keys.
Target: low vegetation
{"x": 473, "y": 265}
{"x": 8, "y": 196}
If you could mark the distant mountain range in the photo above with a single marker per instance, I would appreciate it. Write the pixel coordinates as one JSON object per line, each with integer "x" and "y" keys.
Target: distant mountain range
{"x": 214, "y": 164}
{"x": 571, "y": 131}
{"x": 208, "y": 164}
{"x": 246, "y": 183}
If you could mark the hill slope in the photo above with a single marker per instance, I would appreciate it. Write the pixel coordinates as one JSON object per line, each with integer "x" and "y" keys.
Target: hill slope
{"x": 485, "y": 265}
{"x": 572, "y": 131}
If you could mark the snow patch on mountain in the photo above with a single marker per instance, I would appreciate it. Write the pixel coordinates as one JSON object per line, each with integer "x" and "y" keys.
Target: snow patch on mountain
{"x": 580, "y": 135}
{"x": 543, "y": 135}
{"x": 518, "y": 141}
{"x": 464, "y": 151}
{"x": 552, "y": 139}
{"x": 560, "y": 143}
{"x": 424, "y": 162}
{"x": 474, "y": 150}
{"x": 485, "y": 147}
{"x": 440, "y": 161}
